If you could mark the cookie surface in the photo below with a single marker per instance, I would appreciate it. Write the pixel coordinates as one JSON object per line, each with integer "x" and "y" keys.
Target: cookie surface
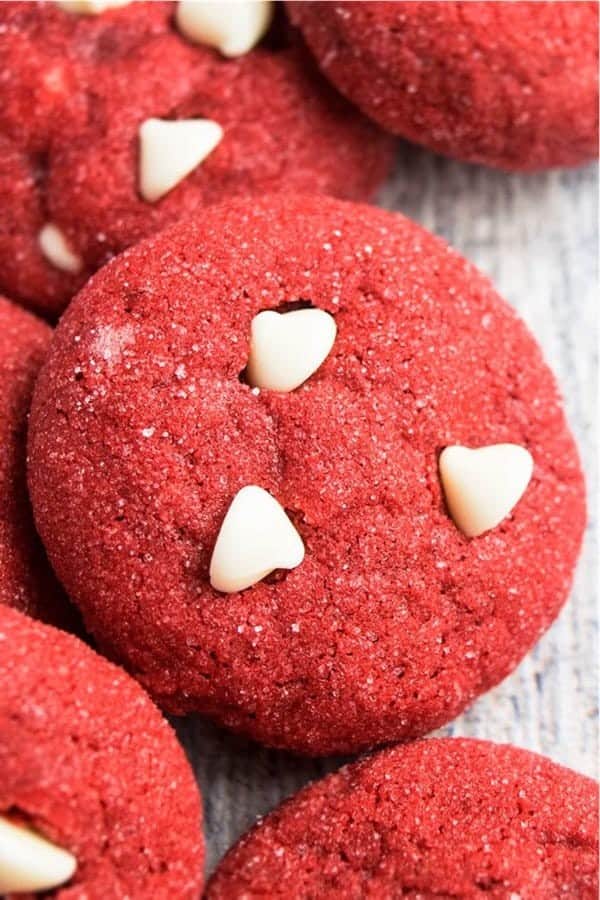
{"x": 143, "y": 432}
{"x": 88, "y": 761}
{"x": 74, "y": 93}
{"x": 510, "y": 85}
{"x": 26, "y": 580}
{"x": 439, "y": 818}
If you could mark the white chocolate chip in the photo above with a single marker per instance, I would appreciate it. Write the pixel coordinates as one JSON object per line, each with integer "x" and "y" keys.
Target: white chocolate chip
{"x": 170, "y": 150}
{"x": 287, "y": 348}
{"x": 57, "y": 249}
{"x": 256, "y": 537}
{"x": 90, "y": 7}
{"x": 233, "y": 28}
{"x": 482, "y": 486}
{"x": 28, "y": 862}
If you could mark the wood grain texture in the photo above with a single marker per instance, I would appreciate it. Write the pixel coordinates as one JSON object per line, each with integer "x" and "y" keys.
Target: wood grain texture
{"x": 536, "y": 236}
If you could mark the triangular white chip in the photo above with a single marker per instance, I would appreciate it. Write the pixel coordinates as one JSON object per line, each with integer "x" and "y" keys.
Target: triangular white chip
{"x": 28, "y": 862}
{"x": 57, "y": 250}
{"x": 170, "y": 150}
{"x": 91, "y": 7}
{"x": 286, "y": 348}
{"x": 233, "y": 28}
{"x": 256, "y": 537}
{"x": 482, "y": 486}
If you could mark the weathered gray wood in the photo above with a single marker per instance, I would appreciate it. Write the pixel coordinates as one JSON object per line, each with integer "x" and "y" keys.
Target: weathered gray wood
{"x": 536, "y": 236}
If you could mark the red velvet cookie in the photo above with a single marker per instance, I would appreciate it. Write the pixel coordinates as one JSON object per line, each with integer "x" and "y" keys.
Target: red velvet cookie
{"x": 511, "y": 85}
{"x": 382, "y": 620}
{"x": 26, "y": 580}
{"x": 88, "y": 763}
{"x": 74, "y": 94}
{"x": 438, "y": 818}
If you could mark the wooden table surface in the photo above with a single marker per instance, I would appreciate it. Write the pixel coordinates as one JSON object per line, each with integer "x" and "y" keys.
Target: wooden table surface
{"x": 536, "y": 236}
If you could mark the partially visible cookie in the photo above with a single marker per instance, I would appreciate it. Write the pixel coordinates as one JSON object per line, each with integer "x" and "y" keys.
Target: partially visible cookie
{"x": 438, "y": 818}
{"x": 26, "y": 580}
{"x": 93, "y": 155}
{"x": 89, "y": 765}
{"x": 511, "y": 85}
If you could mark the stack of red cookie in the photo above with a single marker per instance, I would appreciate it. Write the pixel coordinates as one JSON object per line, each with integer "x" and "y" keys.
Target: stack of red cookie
{"x": 292, "y": 459}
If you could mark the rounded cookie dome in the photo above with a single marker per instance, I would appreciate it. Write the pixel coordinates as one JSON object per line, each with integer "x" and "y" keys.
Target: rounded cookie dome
{"x": 386, "y": 620}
